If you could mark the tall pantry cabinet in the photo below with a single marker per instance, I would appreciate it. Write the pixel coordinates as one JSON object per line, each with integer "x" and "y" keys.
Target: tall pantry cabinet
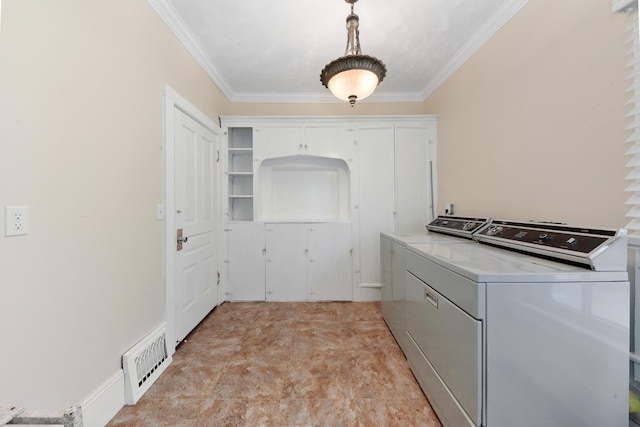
{"x": 307, "y": 197}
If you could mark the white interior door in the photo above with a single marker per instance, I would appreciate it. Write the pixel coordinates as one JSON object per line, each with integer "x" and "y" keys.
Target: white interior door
{"x": 196, "y": 263}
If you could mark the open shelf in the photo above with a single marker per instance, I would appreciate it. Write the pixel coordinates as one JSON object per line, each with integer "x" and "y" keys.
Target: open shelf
{"x": 240, "y": 173}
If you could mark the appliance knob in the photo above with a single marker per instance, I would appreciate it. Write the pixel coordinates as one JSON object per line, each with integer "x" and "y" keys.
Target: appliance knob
{"x": 467, "y": 226}
{"x": 544, "y": 236}
{"x": 496, "y": 229}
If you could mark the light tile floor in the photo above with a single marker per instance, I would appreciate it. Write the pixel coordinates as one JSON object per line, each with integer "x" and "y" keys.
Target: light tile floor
{"x": 286, "y": 364}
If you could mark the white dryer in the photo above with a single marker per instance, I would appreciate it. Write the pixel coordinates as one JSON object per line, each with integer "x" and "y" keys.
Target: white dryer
{"x": 528, "y": 328}
{"x": 393, "y": 247}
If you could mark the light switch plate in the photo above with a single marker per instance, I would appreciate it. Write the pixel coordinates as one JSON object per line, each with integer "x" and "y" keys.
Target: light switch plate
{"x": 16, "y": 220}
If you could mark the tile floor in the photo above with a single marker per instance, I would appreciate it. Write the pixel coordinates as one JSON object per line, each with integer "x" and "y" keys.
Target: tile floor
{"x": 286, "y": 364}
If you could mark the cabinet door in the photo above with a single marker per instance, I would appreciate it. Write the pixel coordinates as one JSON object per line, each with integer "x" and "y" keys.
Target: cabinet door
{"x": 376, "y": 213}
{"x": 286, "y": 267}
{"x": 245, "y": 261}
{"x": 270, "y": 142}
{"x": 413, "y": 178}
{"x": 334, "y": 142}
{"x": 329, "y": 262}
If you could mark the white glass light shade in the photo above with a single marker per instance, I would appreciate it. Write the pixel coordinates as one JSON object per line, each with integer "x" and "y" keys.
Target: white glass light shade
{"x": 357, "y": 82}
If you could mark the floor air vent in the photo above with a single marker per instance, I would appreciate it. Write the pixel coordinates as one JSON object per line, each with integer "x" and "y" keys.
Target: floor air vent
{"x": 144, "y": 363}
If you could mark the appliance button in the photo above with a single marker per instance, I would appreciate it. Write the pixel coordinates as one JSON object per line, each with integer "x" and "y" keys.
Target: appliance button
{"x": 572, "y": 241}
{"x": 496, "y": 229}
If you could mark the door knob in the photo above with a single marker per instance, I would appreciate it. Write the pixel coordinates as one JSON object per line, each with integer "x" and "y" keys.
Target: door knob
{"x": 180, "y": 239}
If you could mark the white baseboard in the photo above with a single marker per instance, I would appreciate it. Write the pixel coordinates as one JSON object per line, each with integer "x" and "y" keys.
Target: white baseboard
{"x": 105, "y": 402}
{"x": 366, "y": 292}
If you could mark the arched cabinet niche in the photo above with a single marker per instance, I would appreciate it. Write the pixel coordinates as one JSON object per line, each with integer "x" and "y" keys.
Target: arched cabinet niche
{"x": 303, "y": 188}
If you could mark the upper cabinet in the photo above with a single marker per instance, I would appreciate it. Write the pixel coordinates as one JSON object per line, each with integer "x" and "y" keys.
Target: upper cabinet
{"x": 337, "y": 142}
{"x": 331, "y": 141}
{"x": 281, "y": 141}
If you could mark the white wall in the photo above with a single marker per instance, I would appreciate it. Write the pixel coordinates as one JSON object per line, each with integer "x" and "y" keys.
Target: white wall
{"x": 81, "y": 86}
{"x": 532, "y": 126}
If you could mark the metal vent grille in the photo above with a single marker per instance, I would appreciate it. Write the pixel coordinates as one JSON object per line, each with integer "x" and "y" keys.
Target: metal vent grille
{"x": 144, "y": 363}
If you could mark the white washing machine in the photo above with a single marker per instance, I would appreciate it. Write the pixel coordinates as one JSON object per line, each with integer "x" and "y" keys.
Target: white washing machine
{"x": 393, "y": 247}
{"x": 530, "y": 327}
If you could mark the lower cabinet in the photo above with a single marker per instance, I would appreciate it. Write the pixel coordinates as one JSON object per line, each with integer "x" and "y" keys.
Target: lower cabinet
{"x": 286, "y": 262}
{"x": 329, "y": 262}
{"x": 245, "y": 261}
{"x": 289, "y": 262}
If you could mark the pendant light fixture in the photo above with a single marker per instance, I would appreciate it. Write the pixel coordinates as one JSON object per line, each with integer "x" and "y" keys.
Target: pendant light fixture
{"x": 353, "y": 76}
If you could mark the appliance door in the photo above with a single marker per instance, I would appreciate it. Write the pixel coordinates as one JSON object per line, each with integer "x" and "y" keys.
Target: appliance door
{"x": 451, "y": 340}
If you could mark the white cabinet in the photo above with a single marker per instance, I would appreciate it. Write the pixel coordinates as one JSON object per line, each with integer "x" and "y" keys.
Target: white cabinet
{"x": 308, "y": 262}
{"x": 329, "y": 261}
{"x": 376, "y": 194}
{"x": 338, "y": 142}
{"x": 273, "y": 142}
{"x": 245, "y": 261}
{"x": 377, "y": 173}
{"x": 286, "y": 269}
{"x": 415, "y": 156}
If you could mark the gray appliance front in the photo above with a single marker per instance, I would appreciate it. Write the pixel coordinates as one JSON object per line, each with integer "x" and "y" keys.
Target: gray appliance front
{"x": 553, "y": 339}
{"x": 451, "y": 340}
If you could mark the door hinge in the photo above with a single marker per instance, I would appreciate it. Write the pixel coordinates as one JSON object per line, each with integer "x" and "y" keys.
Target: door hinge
{"x": 218, "y": 156}
{"x": 218, "y": 278}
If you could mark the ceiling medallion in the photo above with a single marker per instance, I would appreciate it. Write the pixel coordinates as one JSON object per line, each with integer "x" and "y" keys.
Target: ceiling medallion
{"x": 353, "y": 76}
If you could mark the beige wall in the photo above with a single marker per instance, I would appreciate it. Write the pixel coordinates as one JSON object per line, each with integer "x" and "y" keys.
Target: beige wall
{"x": 540, "y": 109}
{"x": 532, "y": 126}
{"x": 81, "y": 84}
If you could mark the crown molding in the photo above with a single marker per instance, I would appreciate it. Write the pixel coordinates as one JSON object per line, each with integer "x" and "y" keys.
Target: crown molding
{"x": 493, "y": 24}
{"x": 323, "y": 98}
{"x": 167, "y": 12}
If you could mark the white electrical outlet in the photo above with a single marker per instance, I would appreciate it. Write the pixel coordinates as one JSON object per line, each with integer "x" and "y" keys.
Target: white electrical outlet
{"x": 16, "y": 220}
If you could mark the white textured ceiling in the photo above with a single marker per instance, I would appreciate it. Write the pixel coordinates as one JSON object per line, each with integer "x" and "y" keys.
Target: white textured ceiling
{"x": 273, "y": 50}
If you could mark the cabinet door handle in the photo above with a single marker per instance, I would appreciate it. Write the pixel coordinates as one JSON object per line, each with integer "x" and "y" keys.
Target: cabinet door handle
{"x": 433, "y": 299}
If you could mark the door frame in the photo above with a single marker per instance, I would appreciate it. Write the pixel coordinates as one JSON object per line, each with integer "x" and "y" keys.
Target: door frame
{"x": 172, "y": 100}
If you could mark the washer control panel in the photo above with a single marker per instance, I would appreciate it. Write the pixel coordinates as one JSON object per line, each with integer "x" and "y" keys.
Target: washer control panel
{"x": 457, "y": 225}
